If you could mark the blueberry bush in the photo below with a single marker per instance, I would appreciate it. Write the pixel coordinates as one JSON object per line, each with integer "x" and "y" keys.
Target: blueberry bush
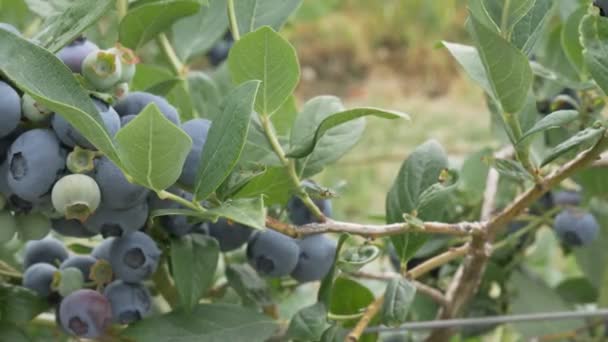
{"x": 157, "y": 180}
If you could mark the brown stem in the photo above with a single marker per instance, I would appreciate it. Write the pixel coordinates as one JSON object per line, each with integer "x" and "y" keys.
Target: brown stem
{"x": 437, "y": 261}
{"x": 370, "y": 312}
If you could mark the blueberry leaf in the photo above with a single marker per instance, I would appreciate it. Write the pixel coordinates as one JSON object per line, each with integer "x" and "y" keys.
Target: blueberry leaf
{"x": 584, "y": 137}
{"x": 205, "y": 323}
{"x": 594, "y": 37}
{"x": 226, "y": 139}
{"x": 153, "y": 149}
{"x": 205, "y": 95}
{"x": 266, "y": 56}
{"x": 20, "y": 305}
{"x": 67, "y": 23}
{"x": 193, "y": 261}
{"x": 144, "y": 22}
{"x": 252, "y": 14}
{"x": 309, "y": 323}
{"x": 398, "y": 298}
{"x": 252, "y": 289}
{"x": 197, "y": 33}
{"x": 40, "y": 74}
{"x": 554, "y": 120}
{"x": 247, "y": 211}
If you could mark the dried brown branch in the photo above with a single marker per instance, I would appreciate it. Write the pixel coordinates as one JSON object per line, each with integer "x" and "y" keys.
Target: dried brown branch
{"x": 370, "y": 312}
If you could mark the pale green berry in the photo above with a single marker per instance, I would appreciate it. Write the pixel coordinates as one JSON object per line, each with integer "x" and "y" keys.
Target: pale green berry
{"x": 76, "y": 196}
{"x": 33, "y": 110}
{"x": 102, "y": 69}
{"x": 67, "y": 280}
{"x": 128, "y": 60}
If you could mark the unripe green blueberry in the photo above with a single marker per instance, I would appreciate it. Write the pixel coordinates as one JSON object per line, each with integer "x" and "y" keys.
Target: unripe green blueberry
{"x": 76, "y": 196}
{"x": 33, "y": 110}
{"x": 121, "y": 90}
{"x": 81, "y": 160}
{"x": 34, "y": 226}
{"x": 8, "y": 226}
{"x": 102, "y": 69}
{"x": 67, "y": 280}
{"x": 128, "y": 60}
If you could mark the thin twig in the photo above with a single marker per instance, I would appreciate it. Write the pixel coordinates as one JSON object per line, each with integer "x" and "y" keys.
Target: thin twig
{"x": 437, "y": 261}
{"x": 234, "y": 25}
{"x": 369, "y": 314}
{"x": 170, "y": 54}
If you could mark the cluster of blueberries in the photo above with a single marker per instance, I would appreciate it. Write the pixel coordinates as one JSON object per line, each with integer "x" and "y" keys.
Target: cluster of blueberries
{"x": 53, "y": 178}
{"x": 573, "y": 225}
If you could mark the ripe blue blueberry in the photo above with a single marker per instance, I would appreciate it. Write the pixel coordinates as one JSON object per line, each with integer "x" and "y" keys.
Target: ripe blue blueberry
{"x": 76, "y": 196}
{"x": 47, "y": 250}
{"x": 74, "y": 53}
{"x": 135, "y": 101}
{"x": 317, "y": 254}
{"x": 116, "y": 191}
{"x": 71, "y": 228}
{"x": 300, "y": 215}
{"x": 229, "y": 235}
{"x": 85, "y": 313}
{"x": 130, "y": 302}
{"x": 35, "y": 161}
{"x": 272, "y": 254}
{"x": 219, "y": 52}
{"x": 602, "y": 5}
{"x": 576, "y": 227}
{"x": 10, "y": 28}
{"x": 69, "y": 136}
{"x": 39, "y": 278}
{"x": 567, "y": 198}
{"x": 102, "y": 250}
{"x": 102, "y": 69}
{"x": 197, "y": 129}
{"x": 82, "y": 262}
{"x": 10, "y": 109}
{"x": 126, "y": 119}
{"x": 134, "y": 257}
{"x": 118, "y": 222}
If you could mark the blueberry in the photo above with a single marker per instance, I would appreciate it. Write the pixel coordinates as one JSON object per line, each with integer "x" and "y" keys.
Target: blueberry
{"x": 39, "y": 278}
{"x": 81, "y": 262}
{"x": 10, "y": 109}
{"x": 10, "y": 28}
{"x": 71, "y": 228}
{"x": 71, "y": 137}
{"x": 85, "y": 313}
{"x": 102, "y": 69}
{"x": 136, "y": 101}
{"x": 575, "y": 227}
{"x": 134, "y": 257}
{"x": 73, "y": 54}
{"x": 317, "y": 254}
{"x": 567, "y": 198}
{"x": 230, "y": 235}
{"x": 116, "y": 191}
{"x": 102, "y": 250}
{"x": 300, "y": 215}
{"x": 272, "y": 254}
{"x": 35, "y": 160}
{"x": 130, "y": 302}
{"x": 8, "y": 226}
{"x": 128, "y": 60}
{"x": 602, "y": 5}
{"x": 126, "y": 119}
{"x": 33, "y": 226}
{"x": 34, "y": 111}
{"x": 176, "y": 225}
{"x": 120, "y": 90}
{"x": 197, "y": 129}
{"x": 219, "y": 52}
{"x": 118, "y": 222}
{"x": 76, "y": 196}
{"x": 47, "y": 250}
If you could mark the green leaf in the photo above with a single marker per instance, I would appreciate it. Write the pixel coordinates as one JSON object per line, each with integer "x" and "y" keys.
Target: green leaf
{"x": 247, "y": 211}
{"x": 12, "y": 333}
{"x": 326, "y": 288}
{"x": 274, "y": 184}
{"x": 146, "y": 21}
{"x": 206, "y": 323}
{"x": 593, "y": 259}
{"x": 507, "y": 17}
{"x": 193, "y": 262}
{"x": 585, "y": 137}
{"x": 507, "y": 68}
{"x": 258, "y": 150}
{"x": 309, "y": 323}
{"x": 593, "y": 181}
{"x": 196, "y": 34}
{"x": 252, "y": 14}
{"x": 284, "y": 117}
{"x": 531, "y": 295}
{"x": 571, "y": 41}
{"x": 530, "y": 28}
{"x": 69, "y": 22}
{"x": 252, "y": 289}
{"x": 40, "y": 74}
{"x": 49, "y": 8}
{"x": 153, "y": 149}
{"x": 511, "y": 169}
{"x": 266, "y": 56}
{"x": 205, "y": 95}
{"x": 349, "y": 297}
{"x": 469, "y": 59}
{"x": 303, "y": 139}
{"x": 398, "y": 298}
{"x": 225, "y": 140}
{"x": 594, "y": 37}
{"x": 20, "y": 305}
{"x": 577, "y": 291}
{"x": 421, "y": 170}
{"x": 554, "y": 120}
{"x": 473, "y": 175}
{"x": 354, "y": 258}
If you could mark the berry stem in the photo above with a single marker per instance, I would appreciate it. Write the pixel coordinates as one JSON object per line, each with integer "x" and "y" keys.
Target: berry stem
{"x": 170, "y": 54}
{"x": 164, "y": 194}
{"x": 521, "y": 150}
{"x": 122, "y": 6}
{"x": 234, "y": 25}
